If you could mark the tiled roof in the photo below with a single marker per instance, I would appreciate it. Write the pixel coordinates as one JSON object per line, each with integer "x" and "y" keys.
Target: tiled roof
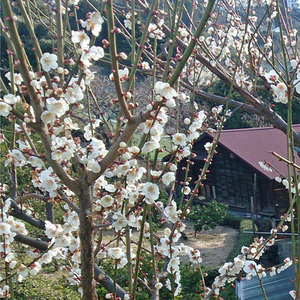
{"x": 254, "y": 145}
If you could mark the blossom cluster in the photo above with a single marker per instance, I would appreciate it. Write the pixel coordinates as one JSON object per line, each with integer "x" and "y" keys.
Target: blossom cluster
{"x": 246, "y": 264}
{"x": 9, "y": 228}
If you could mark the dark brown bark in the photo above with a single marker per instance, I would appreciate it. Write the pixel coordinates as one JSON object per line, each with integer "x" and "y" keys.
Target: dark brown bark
{"x": 50, "y": 211}
{"x": 107, "y": 282}
{"x": 27, "y": 240}
{"x": 86, "y": 239}
{"x": 20, "y": 214}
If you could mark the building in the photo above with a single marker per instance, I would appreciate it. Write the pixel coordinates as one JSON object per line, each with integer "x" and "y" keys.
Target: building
{"x": 236, "y": 177}
{"x": 251, "y": 289}
{"x": 293, "y": 4}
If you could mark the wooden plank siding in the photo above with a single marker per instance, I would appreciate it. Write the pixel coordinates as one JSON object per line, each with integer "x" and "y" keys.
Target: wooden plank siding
{"x": 231, "y": 181}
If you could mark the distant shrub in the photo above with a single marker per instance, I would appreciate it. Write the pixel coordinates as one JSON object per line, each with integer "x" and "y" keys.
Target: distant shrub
{"x": 208, "y": 216}
{"x": 244, "y": 239}
{"x": 232, "y": 221}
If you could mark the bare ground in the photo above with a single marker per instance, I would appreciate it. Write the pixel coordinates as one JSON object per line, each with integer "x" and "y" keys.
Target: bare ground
{"x": 214, "y": 245}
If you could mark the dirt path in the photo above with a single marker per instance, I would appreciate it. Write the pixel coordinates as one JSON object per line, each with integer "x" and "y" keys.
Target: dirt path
{"x": 214, "y": 245}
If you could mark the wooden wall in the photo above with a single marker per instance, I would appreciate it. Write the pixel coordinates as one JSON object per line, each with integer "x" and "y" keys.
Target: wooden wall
{"x": 231, "y": 180}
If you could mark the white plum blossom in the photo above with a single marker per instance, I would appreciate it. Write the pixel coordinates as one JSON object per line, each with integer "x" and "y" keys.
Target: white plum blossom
{"x": 250, "y": 267}
{"x": 208, "y": 146}
{"x": 53, "y": 230}
{"x": 48, "y": 117}
{"x": 158, "y": 285}
{"x": 120, "y": 221}
{"x": 217, "y": 109}
{"x": 93, "y": 165}
{"x": 11, "y": 99}
{"x": 170, "y": 103}
{"x": 168, "y": 177}
{"x": 155, "y": 174}
{"x": 294, "y": 63}
{"x": 16, "y": 157}
{"x": 17, "y": 226}
{"x": 155, "y": 31}
{"x": 116, "y": 253}
{"x": 57, "y": 107}
{"x": 4, "y": 109}
{"x": 18, "y": 79}
{"x": 183, "y": 33}
{"x": 62, "y": 148}
{"x": 172, "y": 213}
{"x": 88, "y": 134}
{"x": 123, "y": 74}
{"x": 74, "y": 93}
{"x": 195, "y": 256}
{"x": 186, "y": 190}
{"x": 80, "y": 37}
{"x": 4, "y": 228}
{"x": 296, "y": 82}
{"x": 135, "y": 174}
{"x": 49, "y": 181}
{"x": 185, "y": 152}
{"x": 128, "y": 24}
{"x": 93, "y": 23}
{"x": 145, "y": 65}
{"x": 122, "y": 263}
{"x": 265, "y": 166}
{"x": 293, "y": 294}
{"x": 150, "y": 146}
{"x": 151, "y": 192}
{"x": 68, "y": 124}
{"x": 94, "y": 53}
{"x": 179, "y": 139}
{"x": 24, "y": 146}
{"x": 173, "y": 265}
{"x": 35, "y": 268}
{"x": 49, "y": 61}
{"x": 106, "y": 201}
{"x": 280, "y": 92}
{"x": 165, "y": 90}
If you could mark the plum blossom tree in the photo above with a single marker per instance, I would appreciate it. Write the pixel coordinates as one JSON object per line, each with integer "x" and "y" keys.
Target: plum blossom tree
{"x": 116, "y": 183}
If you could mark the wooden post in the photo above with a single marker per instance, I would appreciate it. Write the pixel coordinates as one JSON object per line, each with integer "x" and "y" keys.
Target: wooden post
{"x": 252, "y": 214}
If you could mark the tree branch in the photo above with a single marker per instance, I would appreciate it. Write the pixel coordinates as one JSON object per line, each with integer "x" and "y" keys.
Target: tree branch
{"x": 223, "y": 100}
{"x": 35, "y": 243}
{"x": 20, "y": 214}
{"x": 114, "y": 60}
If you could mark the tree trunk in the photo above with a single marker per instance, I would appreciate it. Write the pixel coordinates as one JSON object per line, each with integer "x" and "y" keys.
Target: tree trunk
{"x": 86, "y": 240}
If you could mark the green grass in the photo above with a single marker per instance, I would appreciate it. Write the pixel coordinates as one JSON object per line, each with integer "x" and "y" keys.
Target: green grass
{"x": 244, "y": 239}
{"x": 45, "y": 287}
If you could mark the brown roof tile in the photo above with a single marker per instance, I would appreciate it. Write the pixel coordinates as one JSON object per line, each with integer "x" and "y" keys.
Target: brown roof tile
{"x": 254, "y": 145}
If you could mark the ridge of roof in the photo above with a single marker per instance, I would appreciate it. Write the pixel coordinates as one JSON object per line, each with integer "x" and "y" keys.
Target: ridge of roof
{"x": 256, "y": 128}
